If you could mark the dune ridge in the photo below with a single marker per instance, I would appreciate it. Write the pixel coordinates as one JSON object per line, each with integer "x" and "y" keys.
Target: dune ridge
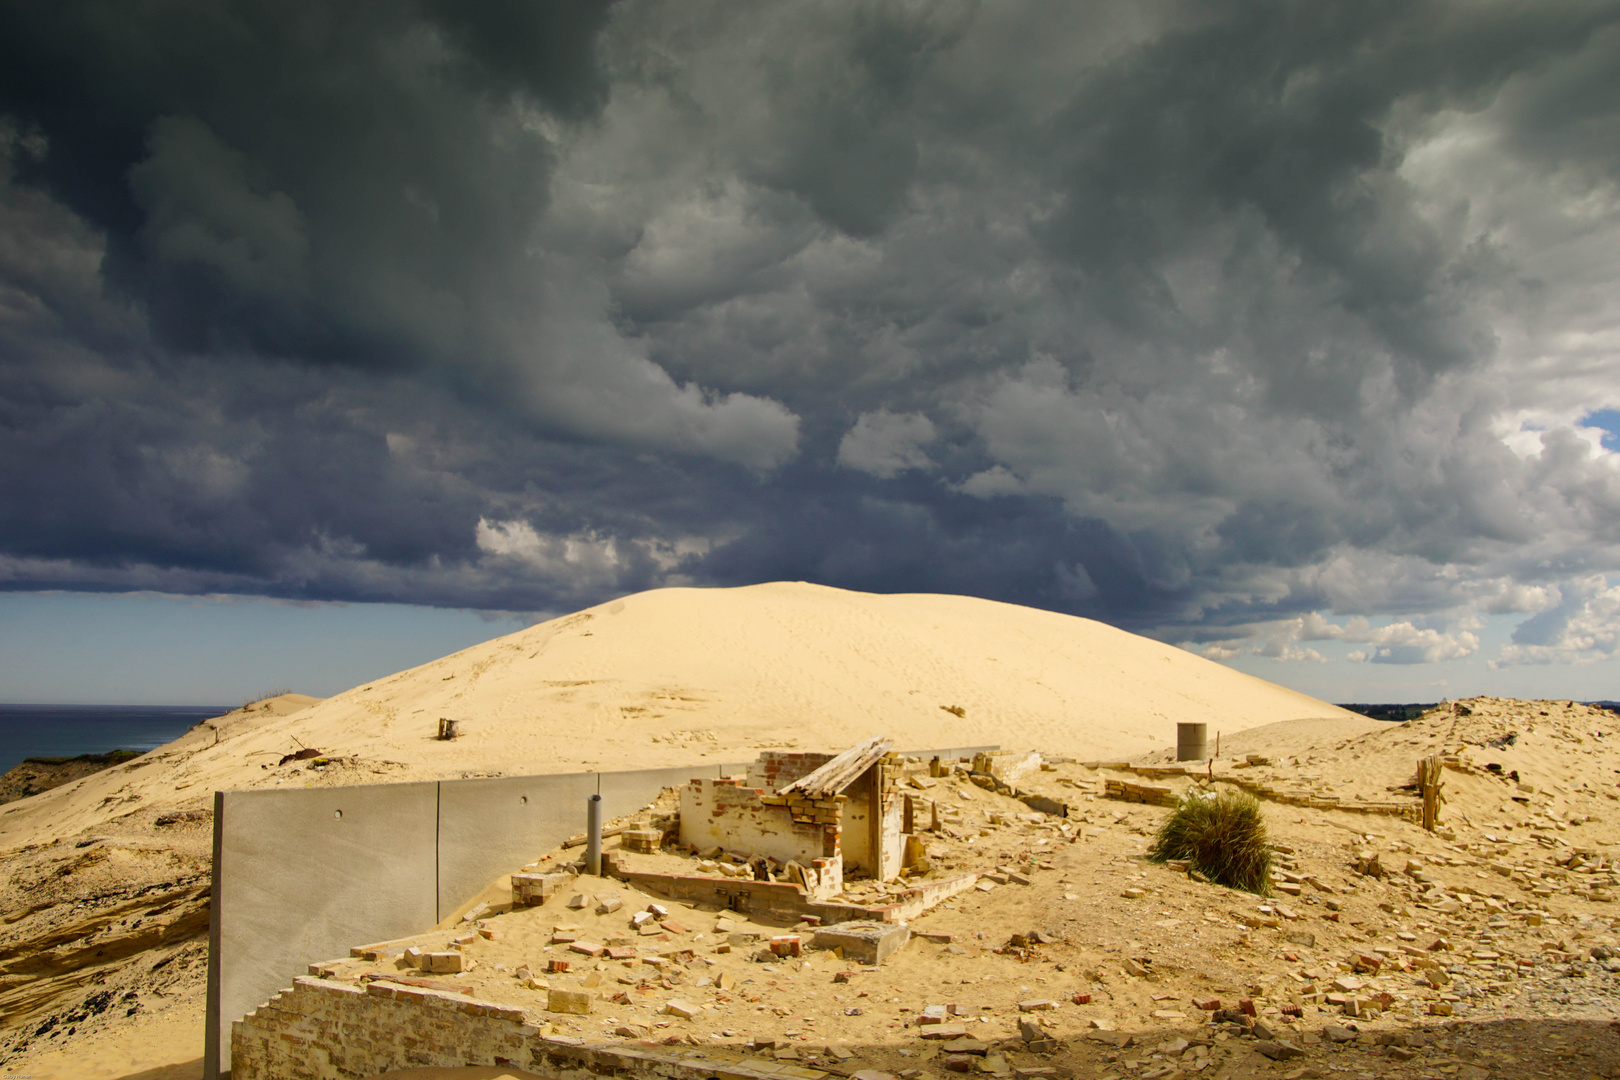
{"x": 668, "y": 677}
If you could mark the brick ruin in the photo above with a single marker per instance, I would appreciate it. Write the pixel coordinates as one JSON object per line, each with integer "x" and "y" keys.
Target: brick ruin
{"x": 815, "y": 814}
{"x": 320, "y": 1029}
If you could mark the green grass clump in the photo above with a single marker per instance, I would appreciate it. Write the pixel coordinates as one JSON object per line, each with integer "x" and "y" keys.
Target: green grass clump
{"x": 1222, "y": 836}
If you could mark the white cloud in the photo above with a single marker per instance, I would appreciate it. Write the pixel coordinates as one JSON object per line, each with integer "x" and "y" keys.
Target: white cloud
{"x": 1583, "y": 628}
{"x": 549, "y": 554}
{"x": 886, "y": 444}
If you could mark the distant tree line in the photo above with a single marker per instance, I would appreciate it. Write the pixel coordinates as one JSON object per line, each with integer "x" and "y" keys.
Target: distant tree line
{"x": 1396, "y": 713}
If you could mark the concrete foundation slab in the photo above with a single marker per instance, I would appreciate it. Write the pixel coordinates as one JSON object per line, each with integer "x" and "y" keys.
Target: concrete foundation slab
{"x": 863, "y": 942}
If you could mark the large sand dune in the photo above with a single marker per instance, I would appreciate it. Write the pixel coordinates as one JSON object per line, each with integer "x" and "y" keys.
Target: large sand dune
{"x": 676, "y": 675}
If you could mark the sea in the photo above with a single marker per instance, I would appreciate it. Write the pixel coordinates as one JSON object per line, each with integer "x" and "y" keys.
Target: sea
{"x": 70, "y": 730}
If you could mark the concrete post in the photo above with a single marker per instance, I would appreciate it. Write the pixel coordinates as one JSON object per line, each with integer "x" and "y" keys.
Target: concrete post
{"x": 1192, "y": 742}
{"x": 593, "y": 836}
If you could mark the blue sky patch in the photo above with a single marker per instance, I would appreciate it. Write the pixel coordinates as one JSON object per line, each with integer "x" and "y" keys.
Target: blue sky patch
{"x": 1607, "y": 421}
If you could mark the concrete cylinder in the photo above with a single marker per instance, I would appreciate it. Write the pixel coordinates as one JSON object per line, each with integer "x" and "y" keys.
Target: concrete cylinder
{"x": 593, "y": 836}
{"x": 1192, "y": 742}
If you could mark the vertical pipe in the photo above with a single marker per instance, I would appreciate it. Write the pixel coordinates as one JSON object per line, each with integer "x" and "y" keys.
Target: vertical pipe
{"x": 593, "y": 835}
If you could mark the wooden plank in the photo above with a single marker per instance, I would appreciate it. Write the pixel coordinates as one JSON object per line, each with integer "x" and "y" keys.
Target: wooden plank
{"x": 841, "y": 771}
{"x": 874, "y": 817}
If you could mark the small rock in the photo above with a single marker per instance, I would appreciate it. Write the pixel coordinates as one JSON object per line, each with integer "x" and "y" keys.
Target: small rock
{"x": 1279, "y": 1051}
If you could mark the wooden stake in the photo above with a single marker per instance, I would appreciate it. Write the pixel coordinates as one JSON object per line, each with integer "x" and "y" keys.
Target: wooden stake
{"x": 1430, "y": 781}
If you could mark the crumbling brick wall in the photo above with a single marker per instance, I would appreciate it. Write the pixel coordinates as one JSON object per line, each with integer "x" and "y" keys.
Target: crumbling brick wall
{"x": 321, "y": 1030}
{"x": 724, "y": 814}
{"x": 775, "y": 769}
{"x": 855, "y": 834}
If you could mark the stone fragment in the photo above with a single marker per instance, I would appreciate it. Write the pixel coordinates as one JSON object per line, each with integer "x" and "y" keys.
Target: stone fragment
{"x": 965, "y": 1045}
{"x": 944, "y": 1031}
{"x": 607, "y": 905}
{"x": 684, "y": 1009}
{"x": 1336, "y": 1034}
{"x": 579, "y": 901}
{"x": 1279, "y": 1051}
{"x": 1036, "y": 1005}
{"x": 576, "y": 1002}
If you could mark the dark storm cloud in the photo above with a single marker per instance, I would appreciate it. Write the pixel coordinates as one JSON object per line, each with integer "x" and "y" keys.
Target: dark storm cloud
{"x": 1197, "y": 318}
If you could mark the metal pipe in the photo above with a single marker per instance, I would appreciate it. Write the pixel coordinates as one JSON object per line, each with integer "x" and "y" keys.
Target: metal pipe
{"x": 593, "y": 836}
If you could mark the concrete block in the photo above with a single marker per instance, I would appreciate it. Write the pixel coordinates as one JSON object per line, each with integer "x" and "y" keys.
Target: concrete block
{"x": 577, "y": 1002}
{"x": 863, "y": 942}
{"x": 443, "y": 963}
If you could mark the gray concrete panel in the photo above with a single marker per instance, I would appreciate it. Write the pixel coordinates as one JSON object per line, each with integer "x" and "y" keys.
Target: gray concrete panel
{"x": 627, "y": 792}
{"x": 491, "y": 827}
{"x": 305, "y": 874}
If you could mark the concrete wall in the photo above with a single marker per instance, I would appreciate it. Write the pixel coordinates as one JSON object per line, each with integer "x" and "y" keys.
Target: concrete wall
{"x": 301, "y": 876}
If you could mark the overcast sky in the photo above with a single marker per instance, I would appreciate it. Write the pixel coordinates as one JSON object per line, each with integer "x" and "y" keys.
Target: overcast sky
{"x": 1285, "y": 332}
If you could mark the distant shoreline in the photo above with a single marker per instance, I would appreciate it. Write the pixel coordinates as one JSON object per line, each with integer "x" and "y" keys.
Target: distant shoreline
{"x": 71, "y": 731}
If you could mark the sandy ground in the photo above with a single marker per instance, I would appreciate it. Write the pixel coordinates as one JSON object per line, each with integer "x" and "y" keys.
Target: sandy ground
{"x": 1475, "y": 940}
{"x": 103, "y": 894}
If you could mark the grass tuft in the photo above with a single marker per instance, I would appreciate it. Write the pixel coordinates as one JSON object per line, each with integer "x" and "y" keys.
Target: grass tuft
{"x": 1222, "y": 836}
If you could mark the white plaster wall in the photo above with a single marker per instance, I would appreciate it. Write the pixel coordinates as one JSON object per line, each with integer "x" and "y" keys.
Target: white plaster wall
{"x": 744, "y": 825}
